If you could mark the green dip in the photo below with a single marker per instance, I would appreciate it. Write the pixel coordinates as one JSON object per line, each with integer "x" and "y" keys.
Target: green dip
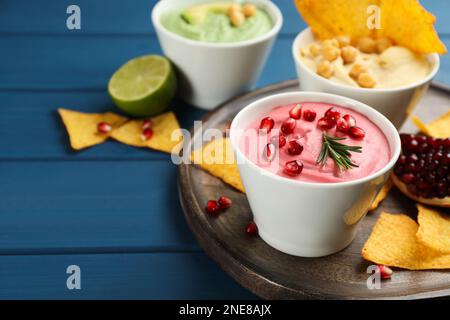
{"x": 216, "y": 26}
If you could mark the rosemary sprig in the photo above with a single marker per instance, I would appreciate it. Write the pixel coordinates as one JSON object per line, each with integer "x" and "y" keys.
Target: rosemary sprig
{"x": 340, "y": 153}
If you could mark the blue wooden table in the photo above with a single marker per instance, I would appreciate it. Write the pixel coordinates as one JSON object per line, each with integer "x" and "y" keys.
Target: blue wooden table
{"x": 112, "y": 210}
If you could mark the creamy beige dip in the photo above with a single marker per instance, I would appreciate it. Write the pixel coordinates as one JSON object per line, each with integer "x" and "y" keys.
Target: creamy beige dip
{"x": 393, "y": 67}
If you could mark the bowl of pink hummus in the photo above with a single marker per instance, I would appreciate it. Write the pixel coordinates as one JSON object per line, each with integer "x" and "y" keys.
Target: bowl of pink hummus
{"x": 312, "y": 163}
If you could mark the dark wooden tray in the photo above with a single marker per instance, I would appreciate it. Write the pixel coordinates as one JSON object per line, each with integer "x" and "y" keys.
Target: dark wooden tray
{"x": 272, "y": 274}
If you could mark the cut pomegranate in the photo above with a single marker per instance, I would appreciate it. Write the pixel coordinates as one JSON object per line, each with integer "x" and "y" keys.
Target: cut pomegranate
{"x": 251, "y": 228}
{"x": 212, "y": 207}
{"x": 350, "y": 120}
{"x": 146, "y": 134}
{"x": 326, "y": 123}
{"x": 309, "y": 115}
{"x": 342, "y": 125}
{"x": 288, "y": 126}
{"x": 267, "y": 124}
{"x": 384, "y": 271}
{"x": 296, "y": 112}
{"x": 293, "y": 168}
{"x": 333, "y": 114}
{"x": 269, "y": 152}
{"x": 147, "y": 124}
{"x": 224, "y": 202}
{"x": 357, "y": 133}
{"x": 294, "y": 147}
{"x": 104, "y": 127}
{"x": 422, "y": 171}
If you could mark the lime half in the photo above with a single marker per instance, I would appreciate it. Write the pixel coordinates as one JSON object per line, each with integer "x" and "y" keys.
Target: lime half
{"x": 143, "y": 86}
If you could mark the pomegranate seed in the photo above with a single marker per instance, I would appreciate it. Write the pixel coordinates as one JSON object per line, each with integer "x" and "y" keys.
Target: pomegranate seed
{"x": 357, "y": 133}
{"x": 333, "y": 114}
{"x": 350, "y": 120}
{"x": 342, "y": 125}
{"x": 309, "y": 115}
{"x": 267, "y": 124}
{"x": 384, "y": 271}
{"x": 146, "y": 134}
{"x": 281, "y": 141}
{"x": 251, "y": 228}
{"x": 269, "y": 152}
{"x": 296, "y": 112}
{"x": 288, "y": 126}
{"x": 147, "y": 124}
{"x": 326, "y": 123}
{"x": 294, "y": 148}
{"x": 293, "y": 168}
{"x": 212, "y": 207}
{"x": 224, "y": 202}
{"x": 407, "y": 178}
{"x": 104, "y": 127}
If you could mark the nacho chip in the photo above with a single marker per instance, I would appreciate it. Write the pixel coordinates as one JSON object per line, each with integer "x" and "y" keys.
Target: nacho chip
{"x": 434, "y": 229}
{"x": 217, "y": 158}
{"x": 82, "y": 127}
{"x": 421, "y": 125}
{"x": 393, "y": 242}
{"x": 438, "y": 128}
{"x": 410, "y": 25}
{"x": 382, "y": 194}
{"x": 163, "y": 126}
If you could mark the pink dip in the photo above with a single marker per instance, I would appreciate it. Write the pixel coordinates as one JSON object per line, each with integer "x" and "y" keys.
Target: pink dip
{"x": 375, "y": 147}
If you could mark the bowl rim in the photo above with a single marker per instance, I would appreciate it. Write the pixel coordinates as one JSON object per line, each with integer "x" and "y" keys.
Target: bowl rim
{"x": 271, "y": 6}
{"x": 434, "y": 57}
{"x": 366, "y": 110}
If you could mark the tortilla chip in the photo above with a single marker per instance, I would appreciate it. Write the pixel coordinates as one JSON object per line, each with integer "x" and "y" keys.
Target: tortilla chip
{"x": 393, "y": 242}
{"x": 421, "y": 125}
{"x": 82, "y": 127}
{"x": 434, "y": 229}
{"x": 405, "y": 22}
{"x": 438, "y": 128}
{"x": 408, "y": 24}
{"x": 217, "y": 158}
{"x": 330, "y": 18}
{"x": 163, "y": 126}
{"x": 382, "y": 194}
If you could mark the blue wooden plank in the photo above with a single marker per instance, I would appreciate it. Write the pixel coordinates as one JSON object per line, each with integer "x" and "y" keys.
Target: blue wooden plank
{"x": 34, "y": 130}
{"x": 118, "y": 276}
{"x": 122, "y": 17}
{"x": 91, "y": 206}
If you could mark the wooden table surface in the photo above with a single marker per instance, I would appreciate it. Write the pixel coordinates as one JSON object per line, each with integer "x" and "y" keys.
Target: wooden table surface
{"x": 113, "y": 210}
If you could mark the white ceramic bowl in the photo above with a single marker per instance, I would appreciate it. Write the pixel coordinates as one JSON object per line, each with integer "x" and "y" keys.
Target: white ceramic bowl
{"x": 301, "y": 218}
{"x": 395, "y": 103}
{"x": 211, "y": 73}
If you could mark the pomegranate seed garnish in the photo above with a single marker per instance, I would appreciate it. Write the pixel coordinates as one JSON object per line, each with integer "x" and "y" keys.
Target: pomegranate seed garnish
{"x": 251, "y": 228}
{"x": 269, "y": 152}
{"x": 326, "y": 123}
{"x": 281, "y": 141}
{"x": 333, "y": 114}
{"x": 267, "y": 124}
{"x": 288, "y": 126}
{"x": 104, "y": 127}
{"x": 384, "y": 271}
{"x": 296, "y": 112}
{"x": 342, "y": 125}
{"x": 224, "y": 202}
{"x": 147, "y": 124}
{"x": 212, "y": 207}
{"x": 309, "y": 115}
{"x": 294, "y": 148}
{"x": 146, "y": 134}
{"x": 293, "y": 168}
{"x": 350, "y": 120}
{"x": 357, "y": 133}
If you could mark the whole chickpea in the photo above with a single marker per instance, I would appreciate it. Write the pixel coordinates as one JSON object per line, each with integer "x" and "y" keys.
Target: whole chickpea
{"x": 314, "y": 49}
{"x": 365, "y": 80}
{"x": 237, "y": 18}
{"x": 235, "y": 7}
{"x": 382, "y": 44}
{"x": 356, "y": 70}
{"x": 343, "y": 41}
{"x": 366, "y": 45}
{"x": 348, "y": 54}
{"x": 325, "y": 69}
{"x": 329, "y": 52}
{"x": 249, "y": 10}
